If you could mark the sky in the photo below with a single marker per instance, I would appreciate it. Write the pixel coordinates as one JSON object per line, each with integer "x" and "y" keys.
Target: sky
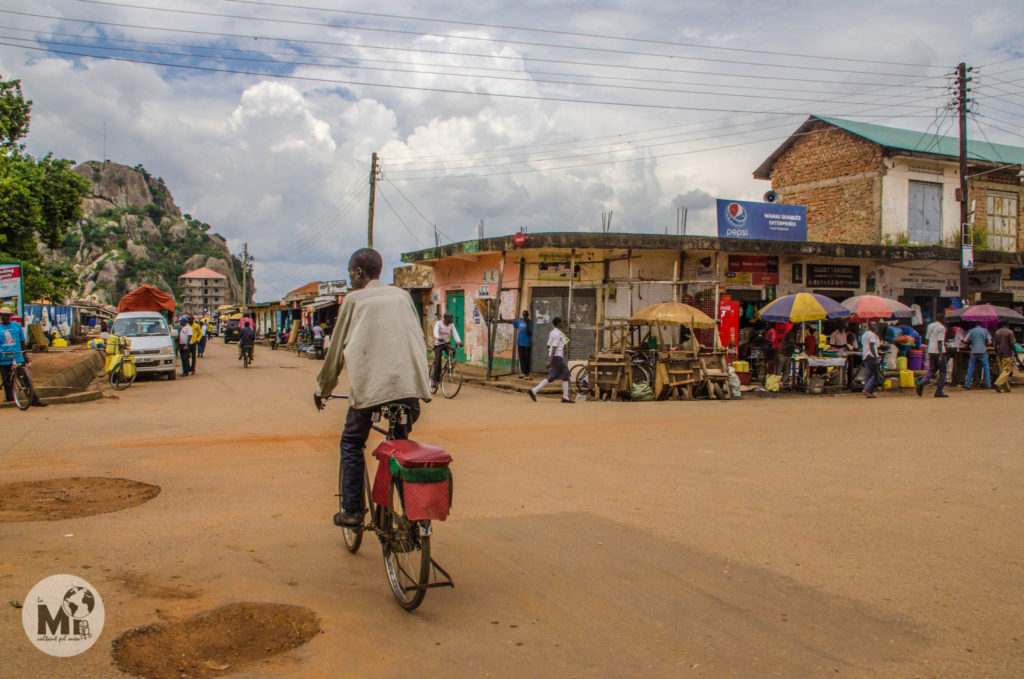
{"x": 262, "y": 116}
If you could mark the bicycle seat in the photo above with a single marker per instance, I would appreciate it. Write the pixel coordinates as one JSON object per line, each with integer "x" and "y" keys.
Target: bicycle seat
{"x": 410, "y": 453}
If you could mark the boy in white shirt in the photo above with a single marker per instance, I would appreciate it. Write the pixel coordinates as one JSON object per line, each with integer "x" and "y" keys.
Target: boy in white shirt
{"x": 558, "y": 367}
{"x": 443, "y": 332}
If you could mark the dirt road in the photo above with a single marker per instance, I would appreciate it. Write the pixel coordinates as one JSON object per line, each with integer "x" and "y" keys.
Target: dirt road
{"x": 796, "y": 537}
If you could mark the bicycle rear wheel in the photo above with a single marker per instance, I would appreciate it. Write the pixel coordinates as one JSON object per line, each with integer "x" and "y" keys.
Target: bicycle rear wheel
{"x": 406, "y": 554}
{"x": 118, "y": 380}
{"x": 641, "y": 376}
{"x": 451, "y": 380}
{"x": 245, "y": 359}
{"x": 579, "y": 379}
{"x": 21, "y": 385}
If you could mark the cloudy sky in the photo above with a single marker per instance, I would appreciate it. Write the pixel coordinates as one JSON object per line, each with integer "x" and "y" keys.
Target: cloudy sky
{"x": 262, "y": 116}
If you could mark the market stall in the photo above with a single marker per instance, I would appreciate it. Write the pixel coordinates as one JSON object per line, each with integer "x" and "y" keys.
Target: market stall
{"x": 799, "y": 370}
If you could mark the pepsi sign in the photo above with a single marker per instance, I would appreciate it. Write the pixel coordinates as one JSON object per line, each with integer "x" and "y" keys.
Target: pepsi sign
{"x": 761, "y": 221}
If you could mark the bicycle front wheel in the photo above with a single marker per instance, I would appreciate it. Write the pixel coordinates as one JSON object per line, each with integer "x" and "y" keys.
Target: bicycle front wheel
{"x": 22, "y": 387}
{"x": 406, "y": 554}
{"x": 642, "y": 376}
{"x": 451, "y": 381}
{"x": 353, "y": 536}
{"x": 579, "y": 379}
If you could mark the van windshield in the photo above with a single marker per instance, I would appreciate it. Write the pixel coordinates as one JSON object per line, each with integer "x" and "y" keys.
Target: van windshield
{"x": 140, "y": 327}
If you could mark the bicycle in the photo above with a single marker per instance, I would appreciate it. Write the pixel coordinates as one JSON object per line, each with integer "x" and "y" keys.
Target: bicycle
{"x": 21, "y": 381}
{"x": 404, "y": 539}
{"x": 451, "y": 374}
{"x": 120, "y": 377}
{"x": 579, "y": 379}
{"x": 642, "y": 368}
{"x": 246, "y": 355}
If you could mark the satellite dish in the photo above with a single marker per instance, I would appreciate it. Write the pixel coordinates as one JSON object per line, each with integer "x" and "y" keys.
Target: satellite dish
{"x": 771, "y": 197}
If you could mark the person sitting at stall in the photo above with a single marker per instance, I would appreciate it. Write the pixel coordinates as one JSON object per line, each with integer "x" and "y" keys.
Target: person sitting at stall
{"x": 786, "y": 349}
{"x": 811, "y": 340}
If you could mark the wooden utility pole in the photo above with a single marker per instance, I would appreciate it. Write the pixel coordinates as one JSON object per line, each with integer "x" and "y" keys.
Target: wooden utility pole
{"x": 373, "y": 191}
{"x": 966, "y": 233}
{"x": 245, "y": 276}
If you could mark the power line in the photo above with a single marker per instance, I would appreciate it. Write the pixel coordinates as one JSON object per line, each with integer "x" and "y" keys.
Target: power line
{"x": 574, "y": 34}
{"x": 448, "y": 52}
{"x": 388, "y": 203}
{"x": 530, "y": 80}
{"x": 211, "y": 69}
{"x": 418, "y": 211}
{"x": 525, "y": 43}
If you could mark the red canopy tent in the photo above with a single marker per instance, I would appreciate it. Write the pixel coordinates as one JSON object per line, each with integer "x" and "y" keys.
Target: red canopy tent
{"x": 146, "y": 298}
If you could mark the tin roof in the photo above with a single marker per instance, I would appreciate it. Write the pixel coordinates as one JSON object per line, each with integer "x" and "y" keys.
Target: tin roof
{"x": 903, "y": 140}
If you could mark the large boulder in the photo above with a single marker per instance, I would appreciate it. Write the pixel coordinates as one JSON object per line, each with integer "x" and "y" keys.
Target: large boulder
{"x": 137, "y": 251}
{"x": 194, "y": 262}
{"x": 177, "y": 231}
{"x": 109, "y": 273}
{"x": 117, "y": 184}
{"x": 224, "y": 268}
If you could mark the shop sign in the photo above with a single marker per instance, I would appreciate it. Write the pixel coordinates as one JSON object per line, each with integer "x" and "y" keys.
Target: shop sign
{"x": 833, "y": 276}
{"x": 761, "y": 221}
{"x": 705, "y": 272}
{"x": 752, "y": 270}
{"x": 10, "y": 288}
{"x": 330, "y": 288}
{"x": 892, "y": 282}
{"x": 554, "y": 266}
{"x": 985, "y": 280}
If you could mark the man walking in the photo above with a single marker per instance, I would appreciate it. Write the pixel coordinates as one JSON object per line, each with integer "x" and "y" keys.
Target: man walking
{"x": 379, "y": 338}
{"x": 869, "y": 340}
{"x": 443, "y": 331}
{"x": 978, "y": 339}
{"x": 558, "y": 368}
{"x": 524, "y": 340}
{"x": 194, "y": 345}
{"x": 185, "y": 346}
{"x": 935, "y": 336}
{"x": 204, "y": 330}
{"x": 1004, "y": 341}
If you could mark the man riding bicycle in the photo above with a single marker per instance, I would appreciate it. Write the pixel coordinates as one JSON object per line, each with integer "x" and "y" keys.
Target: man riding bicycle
{"x": 443, "y": 331}
{"x": 246, "y": 338}
{"x": 12, "y": 340}
{"x": 379, "y": 337}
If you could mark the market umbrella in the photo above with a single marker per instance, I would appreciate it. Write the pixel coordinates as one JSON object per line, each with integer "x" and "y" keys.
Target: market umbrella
{"x": 869, "y": 307}
{"x": 673, "y": 313}
{"x": 802, "y": 306}
{"x": 986, "y": 313}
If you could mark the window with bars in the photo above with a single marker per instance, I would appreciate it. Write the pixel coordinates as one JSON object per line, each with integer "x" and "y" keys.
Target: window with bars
{"x": 1002, "y": 221}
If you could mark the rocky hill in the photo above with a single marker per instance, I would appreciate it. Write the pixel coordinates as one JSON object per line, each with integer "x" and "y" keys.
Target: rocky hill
{"x": 132, "y": 233}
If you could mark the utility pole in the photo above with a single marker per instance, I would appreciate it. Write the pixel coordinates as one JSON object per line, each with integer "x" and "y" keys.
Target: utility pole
{"x": 966, "y": 233}
{"x": 245, "y": 276}
{"x": 373, "y": 191}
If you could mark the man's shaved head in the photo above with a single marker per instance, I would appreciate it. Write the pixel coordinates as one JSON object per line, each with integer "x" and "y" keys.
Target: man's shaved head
{"x": 367, "y": 259}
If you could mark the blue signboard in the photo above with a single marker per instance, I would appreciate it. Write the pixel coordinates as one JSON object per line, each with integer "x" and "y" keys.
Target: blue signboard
{"x": 761, "y": 221}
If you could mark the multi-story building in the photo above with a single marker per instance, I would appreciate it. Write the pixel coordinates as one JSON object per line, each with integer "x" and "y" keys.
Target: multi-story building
{"x": 202, "y": 291}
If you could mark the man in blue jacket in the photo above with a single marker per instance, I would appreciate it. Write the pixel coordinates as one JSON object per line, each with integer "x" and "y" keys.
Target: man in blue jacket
{"x": 12, "y": 341}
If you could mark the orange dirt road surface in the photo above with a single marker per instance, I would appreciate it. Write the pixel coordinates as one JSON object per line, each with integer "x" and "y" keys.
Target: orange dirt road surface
{"x": 786, "y": 537}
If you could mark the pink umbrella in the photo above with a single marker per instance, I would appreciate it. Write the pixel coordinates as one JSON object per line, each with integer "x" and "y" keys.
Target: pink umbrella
{"x": 869, "y": 307}
{"x": 986, "y": 313}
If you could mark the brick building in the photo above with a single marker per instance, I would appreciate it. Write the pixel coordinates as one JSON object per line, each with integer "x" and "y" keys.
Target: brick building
{"x": 202, "y": 291}
{"x": 870, "y": 184}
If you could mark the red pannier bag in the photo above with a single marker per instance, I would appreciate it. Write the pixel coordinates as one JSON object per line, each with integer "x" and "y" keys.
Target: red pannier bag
{"x": 424, "y": 473}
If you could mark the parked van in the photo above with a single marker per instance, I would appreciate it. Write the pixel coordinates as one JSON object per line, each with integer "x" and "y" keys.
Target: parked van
{"x": 152, "y": 343}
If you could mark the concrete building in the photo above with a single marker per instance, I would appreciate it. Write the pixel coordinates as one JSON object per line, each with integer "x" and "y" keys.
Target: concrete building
{"x": 590, "y": 278}
{"x": 870, "y": 184}
{"x": 202, "y": 291}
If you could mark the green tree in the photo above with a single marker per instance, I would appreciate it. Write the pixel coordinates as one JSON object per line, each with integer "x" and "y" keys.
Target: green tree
{"x": 40, "y": 198}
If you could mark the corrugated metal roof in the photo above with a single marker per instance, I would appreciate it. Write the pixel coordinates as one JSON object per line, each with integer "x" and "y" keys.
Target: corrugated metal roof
{"x": 904, "y": 140}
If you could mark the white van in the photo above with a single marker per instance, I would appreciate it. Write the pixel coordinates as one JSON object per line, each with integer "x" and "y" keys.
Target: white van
{"x": 152, "y": 343}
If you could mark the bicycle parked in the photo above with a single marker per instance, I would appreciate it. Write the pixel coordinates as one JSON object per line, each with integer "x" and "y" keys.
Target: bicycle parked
{"x": 122, "y": 373}
{"x": 642, "y": 369}
{"x": 451, "y": 373}
{"x": 412, "y": 486}
{"x": 19, "y": 380}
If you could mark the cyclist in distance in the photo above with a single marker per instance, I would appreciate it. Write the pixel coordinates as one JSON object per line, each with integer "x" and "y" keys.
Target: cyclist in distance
{"x": 246, "y": 337}
{"x": 443, "y": 331}
{"x": 379, "y": 337}
{"x": 12, "y": 339}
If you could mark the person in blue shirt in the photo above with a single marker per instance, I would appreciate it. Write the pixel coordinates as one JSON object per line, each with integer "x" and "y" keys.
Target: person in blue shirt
{"x": 978, "y": 339}
{"x": 524, "y": 341}
{"x": 12, "y": 340}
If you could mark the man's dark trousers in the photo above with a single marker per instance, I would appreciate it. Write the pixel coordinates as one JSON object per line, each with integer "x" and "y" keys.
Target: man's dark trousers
{"x": 193, "y": 352}
{"x": 870, "y": 373}
{"x": 439, "y": 351}
{"x": 936, "y": 369}
{"x": 353, "y": 440}
{"x": 184, "y": 353}
{"x": 524, "y": 359}
{"x": 7, "y": 375}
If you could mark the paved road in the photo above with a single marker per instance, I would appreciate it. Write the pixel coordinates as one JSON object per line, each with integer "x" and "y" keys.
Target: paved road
{"x": 794, "y": 537}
